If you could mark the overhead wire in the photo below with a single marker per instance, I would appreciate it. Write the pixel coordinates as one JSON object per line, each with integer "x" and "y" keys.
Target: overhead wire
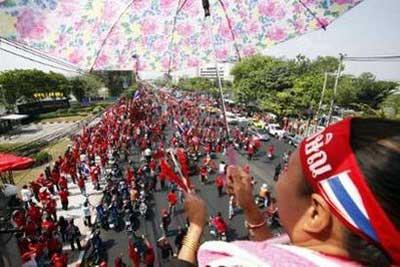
{"x": 40, "y": 62}
{"x": 20, "y": 46}
{"x": 373, "y": 59}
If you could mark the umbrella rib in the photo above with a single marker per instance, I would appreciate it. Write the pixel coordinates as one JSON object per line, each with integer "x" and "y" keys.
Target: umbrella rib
{"x": 109, "y": 32}
{"x": 228, "y": 20}
{"x": 313, "y": 14}
{"x": 171, "y": 43}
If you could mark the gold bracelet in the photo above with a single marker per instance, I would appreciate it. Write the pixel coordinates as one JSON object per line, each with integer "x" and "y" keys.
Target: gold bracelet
{"x": 193, "y": 245}
{"x": 254, "y": 226}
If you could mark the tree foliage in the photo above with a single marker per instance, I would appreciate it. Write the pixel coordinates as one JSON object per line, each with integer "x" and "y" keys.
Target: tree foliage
{"x": 29, "y": 83}
{"x": 289, "y": 87}
{"x": 86, "y": 85}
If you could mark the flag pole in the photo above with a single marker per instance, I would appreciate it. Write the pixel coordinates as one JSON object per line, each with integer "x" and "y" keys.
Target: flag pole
{"x": 178, "y": 166}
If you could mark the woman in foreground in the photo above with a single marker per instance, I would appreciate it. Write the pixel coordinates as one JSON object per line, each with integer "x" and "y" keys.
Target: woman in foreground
{"x": 338, "y": 200}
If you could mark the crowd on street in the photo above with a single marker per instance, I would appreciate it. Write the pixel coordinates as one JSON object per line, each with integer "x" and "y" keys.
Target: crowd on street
{"x": 175, "y": 142}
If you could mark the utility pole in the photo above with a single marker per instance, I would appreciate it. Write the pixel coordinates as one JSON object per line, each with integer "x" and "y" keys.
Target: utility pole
{"x": 339, "y": 70}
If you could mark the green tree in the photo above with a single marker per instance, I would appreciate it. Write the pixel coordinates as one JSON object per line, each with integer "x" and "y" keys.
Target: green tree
{"x": 27, "y": 83}
{"x": 392, "y": 105}
{"x": 86, "y": 85}
{"x": 260, "y": 77}
{"x": 372, "y": 92}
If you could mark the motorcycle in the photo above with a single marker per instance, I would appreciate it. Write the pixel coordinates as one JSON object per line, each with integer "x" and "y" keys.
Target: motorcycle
{"x": 131, "y": 221}
{"x": 112, "y": 222}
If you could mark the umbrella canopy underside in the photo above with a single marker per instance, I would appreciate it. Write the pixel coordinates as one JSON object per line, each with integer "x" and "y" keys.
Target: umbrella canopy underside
{"x": 162, "y": 34}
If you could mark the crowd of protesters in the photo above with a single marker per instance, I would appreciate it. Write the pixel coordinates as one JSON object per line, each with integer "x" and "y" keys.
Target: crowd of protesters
{"x": 101, "y": 155}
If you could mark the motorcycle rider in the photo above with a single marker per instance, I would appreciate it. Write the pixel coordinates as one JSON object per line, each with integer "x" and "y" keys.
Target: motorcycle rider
{"x": 271, "y": 151}
{"x": 219, "y": 224}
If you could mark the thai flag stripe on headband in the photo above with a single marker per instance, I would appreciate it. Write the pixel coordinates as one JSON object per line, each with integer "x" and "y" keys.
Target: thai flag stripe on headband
{"x": 343, "y": 193}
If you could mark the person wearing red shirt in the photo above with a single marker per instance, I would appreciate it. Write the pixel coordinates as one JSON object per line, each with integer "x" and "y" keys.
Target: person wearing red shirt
{"x": 118, "y": 262}
{"x": 81, "y": 185}
{"x": 219, "y": 183}
{"x": 250, "y": 151}
{"x": 44, "y": 194}
{"x": 94, "y": 175}
{"x": 35, "y": 214}
{"x": 172, "y": 199}
{"x": 219, "y": 224}
{"x": 35, "y": 189}
{"x": 63, "y": 183}
{"x": 64, "y": 199}
{"x": 130, "y": 175}
{"x": 203, "y": 174}
{"x": 48, "y": 225}
{"x": 50, "y": 207}
{"x": 59, "y": 260}
{"x": 133, "y": 254}
{"x": 18, "y": 219}
{"x": 55, "y": 177}
{"x": 149, "y": 256}
{"x": 53, "y": 245}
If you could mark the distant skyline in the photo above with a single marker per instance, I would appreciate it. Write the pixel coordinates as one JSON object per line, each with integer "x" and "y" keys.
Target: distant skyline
{"x": 370, "y": 29}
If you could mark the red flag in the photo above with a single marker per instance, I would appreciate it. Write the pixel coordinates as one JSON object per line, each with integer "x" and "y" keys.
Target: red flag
{"x": 183, "y": 162}
{"x": 171, "y": 175}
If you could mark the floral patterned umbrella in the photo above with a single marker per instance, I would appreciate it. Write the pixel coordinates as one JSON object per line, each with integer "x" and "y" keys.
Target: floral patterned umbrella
{"x": 162, "y": 35}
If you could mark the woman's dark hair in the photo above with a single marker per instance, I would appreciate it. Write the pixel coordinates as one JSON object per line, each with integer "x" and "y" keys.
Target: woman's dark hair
{"x": 376, "y": 145}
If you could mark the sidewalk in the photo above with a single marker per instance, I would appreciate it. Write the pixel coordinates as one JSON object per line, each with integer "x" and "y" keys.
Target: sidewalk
{"x": 76, "y": 200}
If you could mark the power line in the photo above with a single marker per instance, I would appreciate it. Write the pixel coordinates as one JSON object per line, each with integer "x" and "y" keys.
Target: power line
{"x": 40, "y": 62}
{"x": 40, "y": 54}
{"x": 373, "y": 59}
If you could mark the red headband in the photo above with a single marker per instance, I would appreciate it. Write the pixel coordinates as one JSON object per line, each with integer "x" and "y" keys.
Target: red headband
{"x": 330, "y": 166}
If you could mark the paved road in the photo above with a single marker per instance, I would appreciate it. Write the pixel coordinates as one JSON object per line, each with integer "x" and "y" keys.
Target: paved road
{"x": 30, "y": 132}
{"x": 262, "y": 169}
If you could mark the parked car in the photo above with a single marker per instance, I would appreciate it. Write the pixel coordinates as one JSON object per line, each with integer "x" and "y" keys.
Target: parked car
{"x": 275, "y": 130}
{"x": 261, "y": 134}
{"x": 294, "y": 139}
{"x": 232, "y": 119}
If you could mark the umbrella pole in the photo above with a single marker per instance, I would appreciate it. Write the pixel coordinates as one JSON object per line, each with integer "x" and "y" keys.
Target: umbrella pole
{"x": 219, "y": 79}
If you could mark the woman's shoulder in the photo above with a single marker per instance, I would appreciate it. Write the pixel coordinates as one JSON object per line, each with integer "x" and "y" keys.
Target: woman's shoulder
{"x": 267, "y": 253}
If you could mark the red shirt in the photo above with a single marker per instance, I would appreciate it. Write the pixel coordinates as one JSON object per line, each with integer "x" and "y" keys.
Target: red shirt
{"x": 133, "y": 254}
{"x": 43, "y": 196}
{"x": 59, "y": 260}
{"x": 63, "y": 195}
{"x": 63, "y": 183}
{"x": 149, "y": 257}
{"x": 203, "y": 171}
{"x": 35, "y": 214}
{"x": 219, "y": 182}
{"x": 51, "y": 206}
{"x": 81, "y": 183}
{"x": 53, "y": 245}
{"x": 172, "y": 199}
{"x": 30, "y": 228}
{"x": 48, "y": 225}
